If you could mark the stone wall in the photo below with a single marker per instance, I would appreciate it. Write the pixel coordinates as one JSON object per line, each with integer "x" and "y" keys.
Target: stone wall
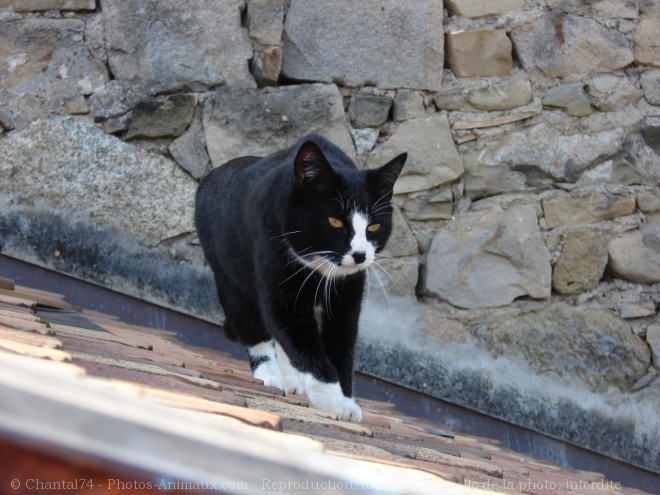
{"x": 523, "y": 279}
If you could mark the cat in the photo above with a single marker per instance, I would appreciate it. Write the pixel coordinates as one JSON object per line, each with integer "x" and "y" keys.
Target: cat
{"x": 289, "y": 237}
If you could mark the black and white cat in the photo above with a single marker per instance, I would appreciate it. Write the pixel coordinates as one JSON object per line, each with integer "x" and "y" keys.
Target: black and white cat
{"x": 289, "y": 237}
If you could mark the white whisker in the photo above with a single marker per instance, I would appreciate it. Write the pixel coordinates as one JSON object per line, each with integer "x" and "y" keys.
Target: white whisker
{"x": 382, "y": 286}
{"x": 398, "y": 287}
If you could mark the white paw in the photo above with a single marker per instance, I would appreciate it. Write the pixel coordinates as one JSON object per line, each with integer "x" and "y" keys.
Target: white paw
{"x": 351, "y": 412}
{"x": 293, "y": 383}
{"x": 269, "y": 373}
{"x": 329, "y": 397}
{"x": 291, "y": 377}
{"x": 268, "y": 370}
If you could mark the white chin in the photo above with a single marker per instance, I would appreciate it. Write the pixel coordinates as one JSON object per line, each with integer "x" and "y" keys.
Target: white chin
{"x": 350, "y": 269}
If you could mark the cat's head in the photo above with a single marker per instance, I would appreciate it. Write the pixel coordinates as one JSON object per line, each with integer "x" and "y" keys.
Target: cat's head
{"x": 339, "y": 217}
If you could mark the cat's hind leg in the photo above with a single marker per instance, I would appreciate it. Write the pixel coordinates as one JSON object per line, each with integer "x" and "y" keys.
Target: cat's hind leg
{"x": 243, "y": 323}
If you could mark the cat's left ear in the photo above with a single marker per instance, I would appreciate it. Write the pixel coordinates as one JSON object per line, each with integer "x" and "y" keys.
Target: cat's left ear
{"x": 311, "y": 169}
{"x": 383, "y": 178}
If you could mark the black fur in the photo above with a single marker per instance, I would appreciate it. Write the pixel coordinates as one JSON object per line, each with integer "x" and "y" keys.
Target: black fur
{"x": 252, "y": 212}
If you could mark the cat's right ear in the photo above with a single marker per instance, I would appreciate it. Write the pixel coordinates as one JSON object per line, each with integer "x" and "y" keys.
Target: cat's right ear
{"x": 311, "y": 169}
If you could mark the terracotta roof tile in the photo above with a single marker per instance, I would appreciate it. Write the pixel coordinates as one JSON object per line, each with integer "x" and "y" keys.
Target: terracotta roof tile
{"x": 152, "y": 365}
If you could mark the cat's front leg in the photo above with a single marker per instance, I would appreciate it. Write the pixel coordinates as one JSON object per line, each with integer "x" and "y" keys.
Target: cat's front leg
{"x": 292, "y": 379}
{"x": 329, "y": 397}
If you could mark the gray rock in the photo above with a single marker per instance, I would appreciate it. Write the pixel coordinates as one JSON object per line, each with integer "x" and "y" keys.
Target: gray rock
{"x": 646, "y": 41}
{"x": 408, "y": 104}
{"x": 5, "y": 120}
{"x": 569, "y": 97}
{"x": 561, "y": 340}
{"x": 432, "y": 156}
{"x": 541, "y": 152}
{"x": 162, "y": 117}
{"x": 586, "y": 207}
{"x": 488, "y": 259}
{"x": 158, "y": 46}
{"x": 93, "y": 178}
{"x": 76, "y": 106}
{"x": 393, "y": 277}
{"x": 582, "y": 262}
{"x": 402, "y": 242}
{"x": 483, "y": 180}
{"x": 650, "y": 81}
{"x": 364, "y": 140}
{"x": 112, "y": 100}
{"x": 651, "y": 133}
{"x": 639, "y": 309}
{"x": 560, "y": 45}
{"x": 479, "y": 53}
{"x": 369, "y": 110}
{"x": 611, "y": 93}
{"x": 649, "y": 201}
{"x": 626, "y": 9}
{"x": 451, "y": 99}
{"x": 336, "y": 41}
{"x": 617, "y": 171}
{"x": 265, "y": 19}
{"x": 649, "y": 7}
{"x": 635, "y": 255}
{"x": 432, "y": 206}
{"x": 189, "y": 150}
{"x": 504, "y": 95}
{"x": 653, "y": 339}
{"x": 45, "y": 63}
{"x": 266, "y": 65}
{"x": 479, "y": 8}
{"x": 239, "y": 122}
{"x": 40, "y": 5}
{"x": 95, "y": 37}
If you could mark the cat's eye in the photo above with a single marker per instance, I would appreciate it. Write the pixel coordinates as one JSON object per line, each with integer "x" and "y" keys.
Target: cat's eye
{"x": 374, "y": 227}
{"x": 335, "y": 222}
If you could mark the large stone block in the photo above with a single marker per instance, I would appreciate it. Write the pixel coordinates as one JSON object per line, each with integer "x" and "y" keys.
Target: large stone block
{"x": 432, "y": 156}
{"x": 542, "y": 153}
{"x": 591, "y": 345}
{"x": 239, "y": 122}
{"x": 504, "y": 95}
{"x": 571, "y": 98}
{"x": 627, "y": 9}
{"x": 635, "y": 255}
{"x": 650, "y": 81}
{"x": 582, "y": 262}
{"x": 560, "y": 45}
{"x": 647, "y": 41}
{"x": 479, "y": 8}
{"x": 159, "y": 46}
{"x": 610, "y": 93}
{"x": 487, "y": 259}
{"x": 74, "y": 170}
{"x": 479, "y": 53}
{"x": 43, "y": 64}
{"x": 586, "y": 207}
{"x": 389, "y": 44}
{"x": 39, "y": 5}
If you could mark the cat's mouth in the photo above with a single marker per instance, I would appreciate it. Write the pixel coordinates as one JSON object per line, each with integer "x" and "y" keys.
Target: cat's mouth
{"x": 331, "y": 265}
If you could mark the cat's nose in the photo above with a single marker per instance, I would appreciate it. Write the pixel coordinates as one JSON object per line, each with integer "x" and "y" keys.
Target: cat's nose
{"x": 359, "y": 257}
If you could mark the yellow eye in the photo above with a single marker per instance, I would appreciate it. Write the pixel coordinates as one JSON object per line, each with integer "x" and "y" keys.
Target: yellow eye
{"x": 335, "y": 222}
{"x": 374, "y": 227}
